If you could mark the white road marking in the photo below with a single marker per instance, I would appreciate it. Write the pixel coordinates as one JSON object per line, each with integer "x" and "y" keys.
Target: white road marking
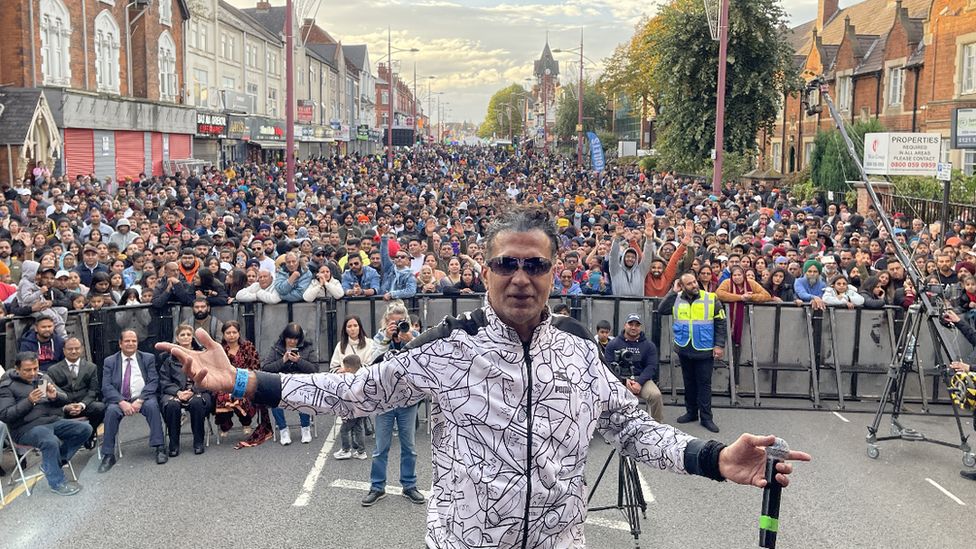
{"x": 313, "y": 476}
{"x": 648, "y": 496}
{"x": 396, "y": 491}
{"x": 364, "y": 487}
{"x": 842, "y": 418}
{"x": 948, "y": 494}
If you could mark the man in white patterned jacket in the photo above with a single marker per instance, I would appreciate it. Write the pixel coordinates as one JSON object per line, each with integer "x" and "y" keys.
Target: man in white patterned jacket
{"x": 517, "y": 394}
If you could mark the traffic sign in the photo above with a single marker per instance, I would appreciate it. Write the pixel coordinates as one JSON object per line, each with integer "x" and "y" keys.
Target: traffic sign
{"x": 943, "y": 172}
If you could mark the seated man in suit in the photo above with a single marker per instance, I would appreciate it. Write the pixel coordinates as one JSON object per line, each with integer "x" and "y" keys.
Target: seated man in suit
{"x": 129, "y": 385}
{"x": 180, "y": 393}
{"x": 78, "y": 378}
{"x": 31, "y": 407}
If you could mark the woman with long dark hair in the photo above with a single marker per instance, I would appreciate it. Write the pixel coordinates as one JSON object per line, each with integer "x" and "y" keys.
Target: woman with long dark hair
{"x": 780, "y": 286}
{"x": 291, "y": 354}
{"x": 242, "y": 354}
{"x": 353, "y": 340}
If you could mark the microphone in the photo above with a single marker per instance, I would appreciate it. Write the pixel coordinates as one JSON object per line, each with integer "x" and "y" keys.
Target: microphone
{"x": 769, "y": 519}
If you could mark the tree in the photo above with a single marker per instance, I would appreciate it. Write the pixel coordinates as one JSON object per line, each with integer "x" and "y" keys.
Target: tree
{"x": 567, "y": 110}
{"x": 625, "y": 71}
{"x": 683, "y": 76}
{"x": 506, "y": 113}
{"x": 831, "y": 165}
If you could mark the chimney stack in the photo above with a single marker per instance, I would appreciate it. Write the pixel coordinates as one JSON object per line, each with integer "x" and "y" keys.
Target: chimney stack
{"x": 263, "y": 5}
{"x": 825, "y": 10}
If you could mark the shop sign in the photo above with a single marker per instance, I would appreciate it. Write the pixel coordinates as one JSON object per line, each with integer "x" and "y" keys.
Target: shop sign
{"x": 211, "y": 125}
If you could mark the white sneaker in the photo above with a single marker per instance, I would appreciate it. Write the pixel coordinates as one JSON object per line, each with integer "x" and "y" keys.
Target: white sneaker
{"x": 360, "y": 455}
{"x": 342, "y": 454}
{"x": 306, "y": 435}
{"x": 285, "y": 437}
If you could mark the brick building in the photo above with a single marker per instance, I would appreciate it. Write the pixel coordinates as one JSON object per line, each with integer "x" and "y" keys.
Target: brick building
{"x": 907, "y": 63}
{"x": 111, "y": 77}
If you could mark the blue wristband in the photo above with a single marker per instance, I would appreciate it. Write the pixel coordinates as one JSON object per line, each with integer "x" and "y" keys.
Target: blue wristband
{"x": 240, "y": 383}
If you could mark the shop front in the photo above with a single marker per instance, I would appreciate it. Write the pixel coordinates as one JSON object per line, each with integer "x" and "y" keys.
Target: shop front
{"x": 211, "y": 128}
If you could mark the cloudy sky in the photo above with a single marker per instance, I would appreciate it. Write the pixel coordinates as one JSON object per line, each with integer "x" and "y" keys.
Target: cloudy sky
{"x": 475, "y": 47}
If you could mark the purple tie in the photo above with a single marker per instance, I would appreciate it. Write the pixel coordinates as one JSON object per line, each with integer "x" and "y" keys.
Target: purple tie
{"x": 127, "y": 380}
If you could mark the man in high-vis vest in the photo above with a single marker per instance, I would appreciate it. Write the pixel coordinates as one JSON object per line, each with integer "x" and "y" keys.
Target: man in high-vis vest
{"x": 698, "y": 326}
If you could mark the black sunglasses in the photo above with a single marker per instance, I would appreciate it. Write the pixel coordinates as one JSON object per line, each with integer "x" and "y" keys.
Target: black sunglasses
{"x": 506, "y": 266}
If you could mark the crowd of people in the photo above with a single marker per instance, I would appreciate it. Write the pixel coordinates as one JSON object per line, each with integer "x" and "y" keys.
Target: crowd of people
{"x": 358, "y": 228}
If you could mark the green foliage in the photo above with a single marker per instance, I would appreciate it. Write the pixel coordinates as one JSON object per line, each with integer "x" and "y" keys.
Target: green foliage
{"x": 831, "y": 165}
{"x": 609, "y": 142}
{"x": 567, "y": 110}
{"x": 506, "y": 112}
{"x": 734, "y": 165}
{"x": 961, "y": 188}
{"x": 683, "y": 73}
{"x": 648, "y": 163}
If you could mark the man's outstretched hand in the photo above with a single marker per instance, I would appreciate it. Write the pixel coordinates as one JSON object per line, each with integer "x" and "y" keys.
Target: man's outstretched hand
{"x": 744, "y": 461}
{"x": 209, "y": 368}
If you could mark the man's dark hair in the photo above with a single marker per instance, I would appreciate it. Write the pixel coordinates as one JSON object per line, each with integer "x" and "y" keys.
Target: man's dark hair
{"x": 201, "y": 300}
{"x": 523, "y": 219}
{"x": 25, "y": 356}
{"x": 603, "y": 324}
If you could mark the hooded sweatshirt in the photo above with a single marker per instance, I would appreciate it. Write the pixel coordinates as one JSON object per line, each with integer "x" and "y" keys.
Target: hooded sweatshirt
{"x": 629, "y": 281}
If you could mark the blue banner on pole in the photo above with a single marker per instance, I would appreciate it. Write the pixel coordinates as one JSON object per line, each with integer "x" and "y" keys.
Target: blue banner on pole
{"x": 597, "y": 161}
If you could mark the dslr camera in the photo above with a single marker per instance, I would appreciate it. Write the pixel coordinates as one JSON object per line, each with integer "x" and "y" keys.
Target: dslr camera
{"x": 625, "y": 362}
{"x": 403, "y": 326}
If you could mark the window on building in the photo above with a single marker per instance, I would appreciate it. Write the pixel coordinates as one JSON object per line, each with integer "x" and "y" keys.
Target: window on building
{"x": 969, "y": 69}
{"x": 252, "y": 95}
{"x": 107, "y": 47}
{"x": 385, "y": 97}
{"x": 227, "y": 46}
{"x": 896, "y": 85}
{"x": 969, "y": 163}
{"x": 203, "y": 38}
{"x": 228, "y": 83}
{"x": 166, "y": 12}
{"x": 201, "y": 87}
{"x": 55, "y": 43}
{"x": 252, "y": 55}
{"x": 191, "y": 35}
{"x": 844, "y": 97}
{"x": 778, "y": 157}
{"x": 168, "y": 89}
{"x": 272, "y": 102}
{"x": 272, "y": 61}
{"x": 807, "y": 152}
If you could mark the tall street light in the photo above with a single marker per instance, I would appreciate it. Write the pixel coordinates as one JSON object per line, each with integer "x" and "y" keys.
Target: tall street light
{"x": 579, "y": 102}
{"x": 289, "y": 100}
{"x": 723, "y": 47}
{"x": 389, "y": 63}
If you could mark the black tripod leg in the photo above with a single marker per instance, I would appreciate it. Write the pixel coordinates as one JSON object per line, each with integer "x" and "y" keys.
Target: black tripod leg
{"x": 599, "y": 477}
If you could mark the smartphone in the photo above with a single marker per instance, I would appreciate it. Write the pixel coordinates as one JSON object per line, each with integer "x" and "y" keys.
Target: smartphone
{"x": 293, "y": 350}
{"x": 43, "y": 386}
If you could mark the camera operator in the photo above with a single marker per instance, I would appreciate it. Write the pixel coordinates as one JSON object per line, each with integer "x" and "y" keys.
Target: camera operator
{"x": 634, "y": 357}
{"x": 964, "y": 365}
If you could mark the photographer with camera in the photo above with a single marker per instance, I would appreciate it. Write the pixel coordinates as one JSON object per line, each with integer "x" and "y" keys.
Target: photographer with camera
{"x": 965, "y": 365}
{"x": 394, "y": 335}
{"x": 633, "y": 358}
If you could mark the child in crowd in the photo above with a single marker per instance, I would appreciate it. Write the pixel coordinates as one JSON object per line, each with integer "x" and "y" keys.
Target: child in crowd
{"x": 967, "y": 300}
{"x": 352, "y": 433}
{"x": 29, "y": 293}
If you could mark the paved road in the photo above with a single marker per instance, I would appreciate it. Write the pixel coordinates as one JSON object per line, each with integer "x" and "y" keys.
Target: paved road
{"x": 843, "y": 499}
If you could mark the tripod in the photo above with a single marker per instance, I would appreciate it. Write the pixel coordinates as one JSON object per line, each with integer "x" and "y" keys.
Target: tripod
{"x": 903, "y": 364}
{"x": 630, "y": 497}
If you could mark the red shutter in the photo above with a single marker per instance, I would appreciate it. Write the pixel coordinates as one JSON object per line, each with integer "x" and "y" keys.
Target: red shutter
{"x": 157, "y": 154}
{"x": 79, "y": 152}
{"x": 130, "y": 155}
{"x": 179, "y": 147}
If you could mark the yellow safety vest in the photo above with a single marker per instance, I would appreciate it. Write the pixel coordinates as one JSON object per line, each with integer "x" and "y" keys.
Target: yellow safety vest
{"x": 693, "y": 323}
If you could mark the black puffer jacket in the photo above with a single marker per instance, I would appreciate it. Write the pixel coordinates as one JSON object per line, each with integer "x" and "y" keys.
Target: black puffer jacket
{"x": 275, "y": 363}
{"x": 17, "y": 411}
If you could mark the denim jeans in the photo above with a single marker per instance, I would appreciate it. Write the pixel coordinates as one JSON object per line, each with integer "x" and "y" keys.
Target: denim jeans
{"x": 57, "y": 441}
{"x": 406, "y": 420}
{"x": 353, "y": 434}
{"x": 279, "y": 417}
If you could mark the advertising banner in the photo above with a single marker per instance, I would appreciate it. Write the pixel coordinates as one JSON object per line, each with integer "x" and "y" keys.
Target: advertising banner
{"x": 902, "y": 153}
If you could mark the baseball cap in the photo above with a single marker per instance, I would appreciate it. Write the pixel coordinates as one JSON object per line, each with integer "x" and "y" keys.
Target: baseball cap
{"x": 61, "y": 273}
{"x": 721, "y": 232}
{"x": 634, "y": 317}
{"x": 122, "y": 221}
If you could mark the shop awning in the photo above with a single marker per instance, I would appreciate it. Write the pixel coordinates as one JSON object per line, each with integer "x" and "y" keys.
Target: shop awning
{"x": 269, "y": 144}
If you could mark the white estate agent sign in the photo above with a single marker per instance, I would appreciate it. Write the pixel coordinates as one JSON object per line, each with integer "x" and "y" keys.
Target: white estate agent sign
{"x": 902, "y": 153}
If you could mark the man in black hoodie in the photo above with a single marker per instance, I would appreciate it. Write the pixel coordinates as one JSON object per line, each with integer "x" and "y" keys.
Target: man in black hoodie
{"x": 642, "y": 370}
{"x": 35, "y": 417}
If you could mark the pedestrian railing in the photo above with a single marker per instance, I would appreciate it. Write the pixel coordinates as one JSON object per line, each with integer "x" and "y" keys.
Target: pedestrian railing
{"x": 785, "y": 351}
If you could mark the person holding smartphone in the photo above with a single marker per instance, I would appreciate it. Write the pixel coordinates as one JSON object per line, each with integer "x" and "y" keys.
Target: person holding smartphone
{"x": 31, "y": 407}
{"x": 291, "y": 354}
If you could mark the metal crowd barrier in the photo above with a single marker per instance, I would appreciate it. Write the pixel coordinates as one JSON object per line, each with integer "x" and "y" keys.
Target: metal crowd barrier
{"x": 838, "y": 355}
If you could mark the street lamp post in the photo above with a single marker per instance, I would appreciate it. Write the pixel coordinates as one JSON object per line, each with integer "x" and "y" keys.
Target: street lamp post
{"x": 579, "y": 102}
{"x": 723, "y": 46}
{"x": 289, "y": 100}
{"x": 389, "y": 86}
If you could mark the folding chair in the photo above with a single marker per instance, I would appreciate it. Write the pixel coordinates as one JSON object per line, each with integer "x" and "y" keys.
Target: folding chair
{"x": 21, "y": 454}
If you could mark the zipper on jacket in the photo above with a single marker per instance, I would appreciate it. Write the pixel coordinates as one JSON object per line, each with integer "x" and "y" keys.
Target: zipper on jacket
{"x": 528, "y": 444}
